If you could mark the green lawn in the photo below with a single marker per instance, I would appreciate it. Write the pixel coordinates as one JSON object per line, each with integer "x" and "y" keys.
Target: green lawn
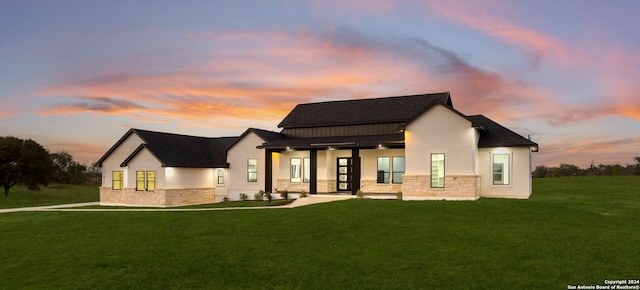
{"x": 20, "y": 196}
{"x": 572, "y": 231}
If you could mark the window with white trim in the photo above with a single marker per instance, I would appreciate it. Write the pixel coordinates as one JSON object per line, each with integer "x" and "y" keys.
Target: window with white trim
{"x": 145, "y": 180}
{"x": 437, "y": 170}
{"x": 116, "y": 180}
{"x": 397, "y": 169}
{"x": 295, "y": 170}
{"x": 151, "y": 180}
{"x": 220, "y": 176}
{"x": 140, "y": 186}
{"x": 306, "y": 169}
{"x": 252, "y": 170}
{"x": 501, "y": 172}
{"x": 383, "y": 170}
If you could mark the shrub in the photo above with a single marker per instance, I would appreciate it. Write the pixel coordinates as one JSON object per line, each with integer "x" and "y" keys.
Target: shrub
{"x": 259, "y": 196}
{"x": 399, "y": 195}
{"x": 268, "y": 196}
{"x": 285, "y": 194}
{"x": 303, "y": 194}
{"x": 244, "y": 197}
{"x": 359, "y": 194}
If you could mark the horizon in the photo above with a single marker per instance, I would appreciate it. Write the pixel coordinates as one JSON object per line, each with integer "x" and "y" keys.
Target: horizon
{"x": 77, "y": 76}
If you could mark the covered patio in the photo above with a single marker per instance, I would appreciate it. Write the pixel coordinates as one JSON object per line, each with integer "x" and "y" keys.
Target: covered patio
{"x": 331, "y": 165}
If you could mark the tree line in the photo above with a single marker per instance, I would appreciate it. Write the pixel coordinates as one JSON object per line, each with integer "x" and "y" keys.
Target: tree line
{"x": 28, "y": 163}
{"x": 542, "y": 171}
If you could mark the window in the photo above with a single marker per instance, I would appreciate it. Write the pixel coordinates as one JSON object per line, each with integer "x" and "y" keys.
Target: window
{"x": 437, "y": 170}
{"x": 501, "y": 169}
{"x": 151, "y": 180}
{"x": 295, "y": 170}
{"x": 145, "y": 180}
{"x": 140, "y": 180}
{"x": 252, "y": 170}
{"x": 398, "y": 169}
{"x": 306, "y": 169}
{"x": 220, "y": 176}
{"x": 383, "y": 170}
{"x": 116, "y": 180}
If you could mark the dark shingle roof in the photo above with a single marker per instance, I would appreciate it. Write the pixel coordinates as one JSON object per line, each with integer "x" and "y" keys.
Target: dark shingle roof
{"x": 266, "y": 136}
{"x": 173, "y": 150}
{"x": 363, "y": 111}
{"x": 495, "y": 135}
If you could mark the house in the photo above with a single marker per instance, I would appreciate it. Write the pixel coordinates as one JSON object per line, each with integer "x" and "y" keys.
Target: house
{"x": 417, "y": 144}
{"x": 161, "y": 169}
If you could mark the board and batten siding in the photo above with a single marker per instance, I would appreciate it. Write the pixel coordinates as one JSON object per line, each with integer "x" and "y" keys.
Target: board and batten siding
{"x": 346, "y": 130}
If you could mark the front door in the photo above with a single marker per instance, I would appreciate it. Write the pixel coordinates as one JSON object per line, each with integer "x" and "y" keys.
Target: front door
{"x": 344, "y": 173}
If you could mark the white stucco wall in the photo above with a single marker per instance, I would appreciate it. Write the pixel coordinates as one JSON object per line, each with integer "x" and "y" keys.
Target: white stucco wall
{"x": 113, "y": 161}
{"x": 284, "y": 167}
{"x": 370, "y": 161}
{"x": 520, "y": 172}
{"x": 176, "y": 177}
{"x": 439, "y": 130}
{"x": 237, "y": 156}
{"x": 144, "y": 161}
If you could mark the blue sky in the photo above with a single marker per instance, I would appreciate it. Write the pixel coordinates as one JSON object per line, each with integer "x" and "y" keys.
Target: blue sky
{"x": 75, "y": 75}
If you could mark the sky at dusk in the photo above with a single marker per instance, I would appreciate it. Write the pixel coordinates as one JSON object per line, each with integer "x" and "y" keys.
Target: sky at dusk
{"x": 76, "y": 75}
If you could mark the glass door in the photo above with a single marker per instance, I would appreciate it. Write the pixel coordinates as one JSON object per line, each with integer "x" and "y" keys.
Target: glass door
{"x": 344, "y": 174}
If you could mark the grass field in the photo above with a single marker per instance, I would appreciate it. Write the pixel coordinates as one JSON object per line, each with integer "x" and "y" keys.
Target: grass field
{"x": 20, "y": 196}
{"x": 572, "y": 231}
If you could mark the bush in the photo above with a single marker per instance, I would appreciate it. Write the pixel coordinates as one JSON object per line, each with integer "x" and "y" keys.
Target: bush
{"x": 285, "y": 194}
{"x": 268, "y": 196}
{"x": 259, "y": 196}
{"x": 244, "y": 197}
{"x": 303, "y": 194}
{"x": 359, "y": 194}
{"x": 399, "y": 195}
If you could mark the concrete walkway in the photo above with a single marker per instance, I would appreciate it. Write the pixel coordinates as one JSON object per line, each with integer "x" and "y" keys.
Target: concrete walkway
{"x": 76, "y": 206}
{"x": 48, "y": 207}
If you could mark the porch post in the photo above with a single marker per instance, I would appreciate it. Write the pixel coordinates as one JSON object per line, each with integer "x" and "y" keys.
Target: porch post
{"x": 355, "y": 170}
{"x": 313, "y": 163}
{"x": 268, "y": 170}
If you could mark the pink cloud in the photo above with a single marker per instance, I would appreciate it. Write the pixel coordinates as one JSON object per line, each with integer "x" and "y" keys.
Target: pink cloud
{"x": 582, "y": 152}
{"x": 273, "y": 71}
{"x": 611, "y": 67}
{"x": 475, "y": 15}
{"x": 371, "y": 7}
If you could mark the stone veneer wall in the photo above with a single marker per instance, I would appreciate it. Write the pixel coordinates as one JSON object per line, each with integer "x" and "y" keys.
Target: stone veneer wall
{"x": 159, "y": 197}
{"x": 455, "y": 187}
{"x": 323, "y": 186}
{"x": 292, "y": 187}
{"x": 372, "y": 185}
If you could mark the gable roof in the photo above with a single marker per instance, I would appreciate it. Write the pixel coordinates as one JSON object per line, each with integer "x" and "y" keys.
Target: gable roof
{"x": 173, "y": 150}
{"x": 362, "y": 111}
{"x": 266, "y": 136}
{"x": 495, "y": 135}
